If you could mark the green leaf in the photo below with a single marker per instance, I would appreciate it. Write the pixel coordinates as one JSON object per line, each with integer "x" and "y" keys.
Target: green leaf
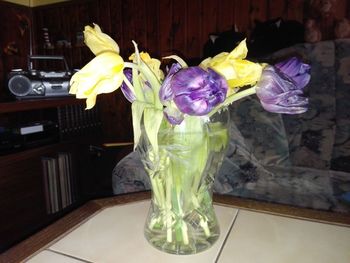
{"x": 153, "y": 80}
{"x": 137, "y": 108}
{"x": 136, "y": 83}
{"x": 178, "y": 60}
{"x": 218, "y": 137}
{"x": 152, "y": 119}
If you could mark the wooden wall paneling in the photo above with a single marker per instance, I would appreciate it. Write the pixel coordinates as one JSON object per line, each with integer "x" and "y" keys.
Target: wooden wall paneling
{"x": 242, "y": 18}
{"x": 103, "y": 16}
{"x": 68, "y": 25}
{"x": 128, "y": 8}
{"x": 139, "y": 15}
{"x": 165, "y": 22}
{"x": 226, "y": 12}
{"x": 14, "y": 43}
{"x": 340, "y": 8}
{"x": 117, "y": 22}
{"x": 38, "y": 21}
{"x": 179, "y": 27}
{"x": 152, "y": 27}
{"x": 194, "y": 19}
{"x": 73, "y": 19}
{"x": 276, "y": 8}
{"x": 209, "y": 16}
{"x": 109, "y": 106}
{"x": 295, "y": 10}
{"x": 84, "y": 18}
{"x": 258, "y": 11}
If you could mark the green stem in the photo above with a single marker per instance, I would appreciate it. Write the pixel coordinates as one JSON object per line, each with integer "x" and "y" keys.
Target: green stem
{"x": 135, "y": 80}
{"x": 168, "y": 204}
{"x": 234, "y": 97}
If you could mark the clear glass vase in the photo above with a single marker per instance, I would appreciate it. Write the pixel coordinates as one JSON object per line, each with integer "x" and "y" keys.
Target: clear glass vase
{"x": 181, "y": 219}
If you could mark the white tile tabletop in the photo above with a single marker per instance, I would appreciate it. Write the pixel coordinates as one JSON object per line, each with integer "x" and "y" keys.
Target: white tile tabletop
{"x": 259, "y": 237}
{"x": 115, "y": 234}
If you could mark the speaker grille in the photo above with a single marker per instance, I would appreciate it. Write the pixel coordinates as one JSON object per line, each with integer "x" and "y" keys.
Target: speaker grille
{"x": 19, "y": 85}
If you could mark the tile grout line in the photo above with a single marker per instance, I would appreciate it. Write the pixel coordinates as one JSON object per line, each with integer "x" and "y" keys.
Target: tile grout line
{"x": 67, "y": 255}
{"x": 228, "y": 234}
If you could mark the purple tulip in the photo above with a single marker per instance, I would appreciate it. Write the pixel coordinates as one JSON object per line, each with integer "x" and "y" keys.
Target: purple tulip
{"x": 280, "y": 88}
{"x": 296, "y": 70}
{"x": 194, "y": 90}
{"x": 166, "y": 93}
{"x": 128, "y": 94}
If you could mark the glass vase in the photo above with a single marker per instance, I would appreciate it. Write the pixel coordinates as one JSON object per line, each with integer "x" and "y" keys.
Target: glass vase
{"x": 181, "y": 218}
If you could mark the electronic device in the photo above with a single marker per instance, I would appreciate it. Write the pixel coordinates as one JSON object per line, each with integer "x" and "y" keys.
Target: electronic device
{"x": 28, "y": 136}
{"x": 35, "y": 83}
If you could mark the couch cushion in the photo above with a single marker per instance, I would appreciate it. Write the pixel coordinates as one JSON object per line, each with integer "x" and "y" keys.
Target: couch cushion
{"x": 341, "y": 150}
{"x": 259, "y": 134}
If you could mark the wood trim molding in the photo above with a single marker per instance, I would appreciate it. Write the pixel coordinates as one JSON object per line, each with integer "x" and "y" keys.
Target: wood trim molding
{"x": 34, "y": 3}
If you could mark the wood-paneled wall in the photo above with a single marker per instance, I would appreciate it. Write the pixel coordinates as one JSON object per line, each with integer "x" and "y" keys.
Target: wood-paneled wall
{"x": 166, "y": 26}
{"x": 14, "y": 40}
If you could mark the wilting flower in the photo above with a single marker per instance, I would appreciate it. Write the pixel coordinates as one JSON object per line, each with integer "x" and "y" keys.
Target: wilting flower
{"x": 128, "y": 93}
{"x": 280, "y": 88}
{"x": 195, "y": 91}
{"x": 152, "y": 63}
{"x": 296, "y": 70}
{"x": 98, "y": 41}
{"x": 103, "y": 74}
{"x": 234, "y": 67}
{"x": 166, "y": 93}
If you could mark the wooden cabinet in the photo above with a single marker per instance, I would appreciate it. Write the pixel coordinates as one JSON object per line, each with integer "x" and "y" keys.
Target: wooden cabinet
{"x": 23, "y": 201}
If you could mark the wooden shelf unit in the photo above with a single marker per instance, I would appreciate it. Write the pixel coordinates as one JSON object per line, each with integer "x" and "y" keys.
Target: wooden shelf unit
{"x": 35, "y": 104}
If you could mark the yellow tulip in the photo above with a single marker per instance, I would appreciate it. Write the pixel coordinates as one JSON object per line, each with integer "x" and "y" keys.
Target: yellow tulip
{"x": 103, "y": 74}
{"x": 152, "y": 63}
{"x": 98, "y": 41}
{"x": 234, "y": 67}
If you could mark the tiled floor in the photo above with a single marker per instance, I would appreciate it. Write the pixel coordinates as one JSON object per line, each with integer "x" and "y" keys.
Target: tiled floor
{"x": 116, "y": 235}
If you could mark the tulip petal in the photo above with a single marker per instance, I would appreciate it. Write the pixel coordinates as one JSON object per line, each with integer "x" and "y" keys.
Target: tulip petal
{"x": 98, "y": 41}
{"x": 103, "y": 74}
{"x": 173, "y": 115}
{"x": 280, "y": 93}
{"x": 197, "y": 91}
{"x": 166, "y": 92}
{"x": 125, "y": 87}
{"x": 240, "y": 52}
{"x": 283, "y": 109}
{"x": 293, "y": 67}
{"x": 234, "y": 68}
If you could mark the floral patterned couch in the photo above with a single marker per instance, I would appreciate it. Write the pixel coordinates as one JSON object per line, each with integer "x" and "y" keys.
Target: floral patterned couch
{"x": 301, "y": 160}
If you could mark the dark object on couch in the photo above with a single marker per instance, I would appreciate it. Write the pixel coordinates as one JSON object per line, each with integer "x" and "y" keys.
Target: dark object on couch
{"x": 301, "y": 160}
{"x": 273, "y": 35}
{"x": 222, "y": 42}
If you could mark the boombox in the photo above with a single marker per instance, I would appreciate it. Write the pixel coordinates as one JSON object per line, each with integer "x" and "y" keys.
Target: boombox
{"x": 36, "y": 83}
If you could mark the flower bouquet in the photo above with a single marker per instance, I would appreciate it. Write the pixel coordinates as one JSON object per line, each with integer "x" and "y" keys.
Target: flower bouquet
{"x": 181, "y": 125}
